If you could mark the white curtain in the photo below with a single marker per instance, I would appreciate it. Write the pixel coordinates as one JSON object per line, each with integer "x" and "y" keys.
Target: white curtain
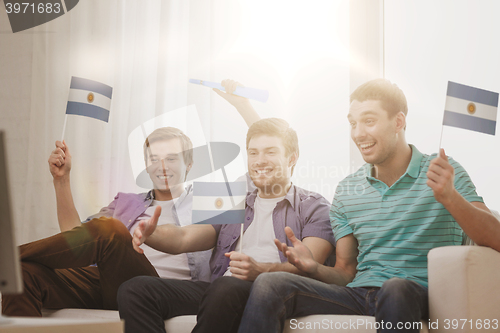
{"x": 427, "y": 48}
{"x": 139, "y": 48}
{"x": 147, "y": 51}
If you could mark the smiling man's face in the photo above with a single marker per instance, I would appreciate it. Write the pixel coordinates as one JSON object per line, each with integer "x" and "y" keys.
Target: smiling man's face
{"x": 268, "y": 165}
{"x": 166, "y": 168}
{"x": 373, "y": 131}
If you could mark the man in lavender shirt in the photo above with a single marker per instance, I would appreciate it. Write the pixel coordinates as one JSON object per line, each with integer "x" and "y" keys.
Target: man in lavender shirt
{"x": 57, "y": 270}
{"x": 272, "y": 149}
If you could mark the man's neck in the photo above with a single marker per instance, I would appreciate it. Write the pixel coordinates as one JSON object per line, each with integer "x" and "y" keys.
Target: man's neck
{"x": 166, "y": 195}
{"x": 274, "y": 191}
{"x": 392, "y": 170}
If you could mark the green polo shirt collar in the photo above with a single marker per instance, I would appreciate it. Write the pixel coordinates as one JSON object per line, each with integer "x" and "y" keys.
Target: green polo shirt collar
{"x": 413, "y": 169}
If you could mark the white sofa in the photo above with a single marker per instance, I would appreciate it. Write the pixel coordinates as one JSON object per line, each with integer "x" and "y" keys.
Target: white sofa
{"x": 464, "y": 292}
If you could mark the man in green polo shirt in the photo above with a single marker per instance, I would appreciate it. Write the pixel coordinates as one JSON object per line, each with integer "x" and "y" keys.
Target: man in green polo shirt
{"x": 385, "y": 217}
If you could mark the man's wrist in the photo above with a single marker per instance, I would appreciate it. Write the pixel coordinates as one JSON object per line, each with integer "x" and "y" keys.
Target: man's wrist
{"x": 314, "y": 273}
{"x": 449, "y": 200}
{"x": 242, "y": 103}
{"x": 61, "y": 181}
{"x": 266, "y": 267}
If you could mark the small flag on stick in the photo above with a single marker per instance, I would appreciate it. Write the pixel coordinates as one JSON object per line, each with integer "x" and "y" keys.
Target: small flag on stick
{"x": 219, "y": 202}
{"x": 471, "y": 108}
{"x": 256, "y": 94}
{"x": 88, "y": 98}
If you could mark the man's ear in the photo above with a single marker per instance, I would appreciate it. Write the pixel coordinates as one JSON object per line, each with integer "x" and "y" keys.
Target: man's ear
{"x": 292, "y": 160}
{"x": 148, "y": 167}
{"x": 188, "y": 168}
{"x": 400, "y": 121}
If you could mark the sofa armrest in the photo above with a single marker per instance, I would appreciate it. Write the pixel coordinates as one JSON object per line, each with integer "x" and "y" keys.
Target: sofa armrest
{"x": 464, "y": 284}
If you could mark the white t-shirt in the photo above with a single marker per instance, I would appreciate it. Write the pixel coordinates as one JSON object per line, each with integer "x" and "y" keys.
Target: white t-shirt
{"x": 167, "y": 265}
{"x": 258, "y": 239}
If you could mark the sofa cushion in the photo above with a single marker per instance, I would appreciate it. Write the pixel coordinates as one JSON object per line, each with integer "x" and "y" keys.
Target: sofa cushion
{"x": 309, "y": 324}
{"x": 179, "y": 324}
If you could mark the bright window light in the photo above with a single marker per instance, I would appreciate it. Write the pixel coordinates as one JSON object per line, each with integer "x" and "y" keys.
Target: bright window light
{"x": 290, "y": 35}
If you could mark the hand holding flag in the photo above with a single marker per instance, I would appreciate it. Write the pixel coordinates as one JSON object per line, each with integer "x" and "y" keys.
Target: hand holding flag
{"x": 441, "y": 178}
{"x": 245, "y": 267}
{"x": 144, "y": 229}
{"x": 60, "y": 161}
{"x": 252, "y": 93}
{"x": 229, "y": 87}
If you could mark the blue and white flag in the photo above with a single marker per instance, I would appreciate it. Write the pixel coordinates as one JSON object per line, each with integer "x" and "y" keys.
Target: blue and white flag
{"x": 471, "y": 108}
{"x": 89, "y": 98}
{"x": 219, "y": 202}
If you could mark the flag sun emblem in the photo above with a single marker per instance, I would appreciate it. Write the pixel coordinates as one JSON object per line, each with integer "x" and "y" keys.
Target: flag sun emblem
{"x": 471, "y": 108}
{"x": 219, "y": 203}
{"x": 90, "y": 97}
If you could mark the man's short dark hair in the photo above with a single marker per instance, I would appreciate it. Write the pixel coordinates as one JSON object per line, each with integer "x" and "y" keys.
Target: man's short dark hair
{"x": 279, "y": 128}
{"x": 167, "y": 133}
{"x": 392, "y": 98}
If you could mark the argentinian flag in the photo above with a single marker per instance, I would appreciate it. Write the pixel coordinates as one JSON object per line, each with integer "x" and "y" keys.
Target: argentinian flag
{"x": 471, "y": 108}
{"x": 89, "y": 98}
{"x": 219, "y": 202}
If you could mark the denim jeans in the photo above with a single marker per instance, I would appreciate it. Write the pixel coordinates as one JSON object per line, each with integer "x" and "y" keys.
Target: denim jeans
{"x": 222, "y": 305}
{"x": 278, "y": 296}
{"x": 144, "y": 302}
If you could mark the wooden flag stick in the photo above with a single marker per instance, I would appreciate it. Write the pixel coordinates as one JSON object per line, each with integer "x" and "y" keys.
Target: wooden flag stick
{"x": 241, "y": 238}
{"x": 440, "y": 140}
{"x": 64, "y": 127}
{"x": 210, "y": 156}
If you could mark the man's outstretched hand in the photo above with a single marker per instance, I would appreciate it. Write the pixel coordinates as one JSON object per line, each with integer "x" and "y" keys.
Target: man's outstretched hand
{"x": 145, "y": 229}
{"x": 299, "y": 255}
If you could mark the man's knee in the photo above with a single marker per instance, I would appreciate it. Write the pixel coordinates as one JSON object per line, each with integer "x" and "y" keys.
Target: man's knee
{"x": 272, "y": 277}
{"x": 107, "y": 227}
{"x": 270, "y": 283}
{"x": 227, "y": 288}
{"x": 401, "y": 300}
{"x": 397, "y": 290}
{"x": 134, "y": 290}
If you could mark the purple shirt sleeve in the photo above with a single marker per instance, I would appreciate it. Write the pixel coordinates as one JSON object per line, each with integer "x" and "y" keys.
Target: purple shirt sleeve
{"x": 315, "y": 213}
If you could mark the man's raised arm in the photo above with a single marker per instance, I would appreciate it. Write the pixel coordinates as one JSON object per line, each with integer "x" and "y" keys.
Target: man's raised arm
{"x": 474, "y": 218}
{"x": 241, "y": 104}
{"x": 60, "y": 167}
